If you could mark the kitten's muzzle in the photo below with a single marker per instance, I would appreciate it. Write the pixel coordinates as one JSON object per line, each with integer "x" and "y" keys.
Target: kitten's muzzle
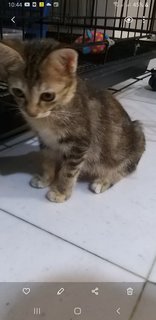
{"x": 37, "y": 115}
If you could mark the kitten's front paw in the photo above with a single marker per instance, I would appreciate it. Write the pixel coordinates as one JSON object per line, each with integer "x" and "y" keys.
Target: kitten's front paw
{"x": 56, "y": 196}
{"x": 99, "y": 187}
{"x": 39, "y": 182}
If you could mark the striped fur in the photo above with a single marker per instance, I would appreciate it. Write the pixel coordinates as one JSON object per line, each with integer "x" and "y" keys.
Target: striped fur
{"x": 83, "y": 132}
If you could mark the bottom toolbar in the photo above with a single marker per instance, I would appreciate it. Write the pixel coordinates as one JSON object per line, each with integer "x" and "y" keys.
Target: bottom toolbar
{"x": 70, "y": 301}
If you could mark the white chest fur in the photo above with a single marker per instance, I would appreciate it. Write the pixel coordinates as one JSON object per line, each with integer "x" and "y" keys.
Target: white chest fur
{"x": 49, "y": 138}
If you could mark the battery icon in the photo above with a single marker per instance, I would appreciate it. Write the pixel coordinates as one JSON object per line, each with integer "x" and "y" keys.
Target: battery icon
{"x": 41, "y": 4}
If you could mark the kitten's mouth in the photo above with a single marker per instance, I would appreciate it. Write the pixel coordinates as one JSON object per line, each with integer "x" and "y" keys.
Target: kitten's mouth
{"x": 43, "y": 115}
{"x": 36, "y": 116}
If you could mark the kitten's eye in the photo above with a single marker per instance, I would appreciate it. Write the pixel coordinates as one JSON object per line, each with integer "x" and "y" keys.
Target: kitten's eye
{"x": 47, "y": 96}
{"x": 18, "y": 93}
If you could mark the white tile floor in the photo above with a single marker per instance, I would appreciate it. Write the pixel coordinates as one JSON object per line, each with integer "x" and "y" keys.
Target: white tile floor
{"x": 108, "y": 237}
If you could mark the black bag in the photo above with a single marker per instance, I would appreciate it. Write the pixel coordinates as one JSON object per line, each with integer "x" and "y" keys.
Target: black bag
{"x": 152, "y": 80}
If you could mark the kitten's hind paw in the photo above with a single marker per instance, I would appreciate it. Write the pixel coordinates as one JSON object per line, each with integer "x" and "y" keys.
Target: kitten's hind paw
{"x": 39, "y": 182}
{"x": 99, "y": 186}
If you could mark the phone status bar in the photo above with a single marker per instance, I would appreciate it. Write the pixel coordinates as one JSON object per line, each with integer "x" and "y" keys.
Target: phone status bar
{"x": 33, "y": 4}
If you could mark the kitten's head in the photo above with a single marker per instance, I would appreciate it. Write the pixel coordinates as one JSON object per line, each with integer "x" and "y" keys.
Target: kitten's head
{"x": 41, "y": 75}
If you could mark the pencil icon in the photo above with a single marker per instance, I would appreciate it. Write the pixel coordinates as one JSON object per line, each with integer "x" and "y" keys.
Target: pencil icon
{"x": 60, "y": 291}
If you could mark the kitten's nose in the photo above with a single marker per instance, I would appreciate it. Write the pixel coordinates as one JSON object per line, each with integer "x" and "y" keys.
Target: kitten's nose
{"x": 31, "y": 111}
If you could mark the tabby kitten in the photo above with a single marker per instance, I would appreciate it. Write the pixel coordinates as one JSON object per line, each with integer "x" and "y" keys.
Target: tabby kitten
{"x": 83, "y": 132}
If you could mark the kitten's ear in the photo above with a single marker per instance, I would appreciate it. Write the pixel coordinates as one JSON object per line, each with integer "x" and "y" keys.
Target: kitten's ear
{"x": 9, "y": 59}
{"x": 64, "y": 60}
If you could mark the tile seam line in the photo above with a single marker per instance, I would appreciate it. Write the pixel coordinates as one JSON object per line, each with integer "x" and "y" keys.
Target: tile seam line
{"x": 150, "y": 270}
{"x": 73, "y": 244}
{"x": 143, "y": 289}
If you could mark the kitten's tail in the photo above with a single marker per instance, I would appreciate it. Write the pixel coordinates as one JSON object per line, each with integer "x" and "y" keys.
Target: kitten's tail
{"x": 139, "y": 137}
{"x": 138, "y": 147}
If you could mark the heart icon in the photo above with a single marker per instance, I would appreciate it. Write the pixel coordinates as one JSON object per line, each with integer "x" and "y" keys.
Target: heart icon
{"x": 26, "y": 291}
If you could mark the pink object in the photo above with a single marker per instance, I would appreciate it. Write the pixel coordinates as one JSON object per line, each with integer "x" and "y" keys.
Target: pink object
{"x": 89, "y": 37}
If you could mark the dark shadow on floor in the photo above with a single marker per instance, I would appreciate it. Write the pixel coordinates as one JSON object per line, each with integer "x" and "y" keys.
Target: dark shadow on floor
{"x": 29, "y": 161}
